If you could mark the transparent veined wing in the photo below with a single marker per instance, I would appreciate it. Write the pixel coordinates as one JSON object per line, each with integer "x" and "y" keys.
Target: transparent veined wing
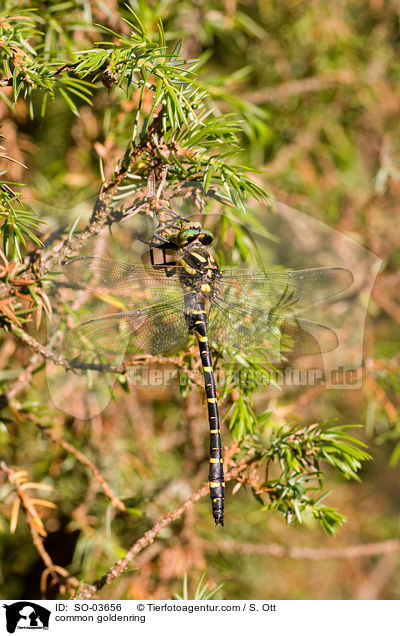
{"x": 123, "y": 284}
{"x": 152, "y": 330}
{"x": 277, "y": 291}
{"x": 267, "y": 336}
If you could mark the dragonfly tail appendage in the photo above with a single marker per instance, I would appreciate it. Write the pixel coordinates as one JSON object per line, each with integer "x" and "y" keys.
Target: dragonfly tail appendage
{"x": 216, "y": 471}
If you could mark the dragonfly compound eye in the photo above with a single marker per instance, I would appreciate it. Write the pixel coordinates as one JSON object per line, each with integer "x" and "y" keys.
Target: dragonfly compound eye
{"x": 187, "y": 236}
{"x": 206, "y": 238}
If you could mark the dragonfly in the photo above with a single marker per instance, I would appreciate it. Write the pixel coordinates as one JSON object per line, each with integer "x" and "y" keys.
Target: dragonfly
{"x": 253, "y": 312}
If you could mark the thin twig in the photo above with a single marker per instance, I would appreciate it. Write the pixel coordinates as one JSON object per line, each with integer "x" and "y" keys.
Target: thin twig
{"x": 88, "y": 591}
{"x": 103, "y": 214}
{"x": 382, "y": 398}
{"x": 84, "y": 460}
{"x": 22, "y": 382}
{"x": 123, "y": 367}
{"x": 312, "y": 554}
{"x": 59, "y": 574}
{"x": 296, "y": 87}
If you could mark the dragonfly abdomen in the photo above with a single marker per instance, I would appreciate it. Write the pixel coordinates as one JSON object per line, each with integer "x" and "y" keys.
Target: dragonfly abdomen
{"x": 198, "y": 320}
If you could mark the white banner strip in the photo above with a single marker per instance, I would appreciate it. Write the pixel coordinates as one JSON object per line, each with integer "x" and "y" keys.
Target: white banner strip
{"x": 329, "y": 618}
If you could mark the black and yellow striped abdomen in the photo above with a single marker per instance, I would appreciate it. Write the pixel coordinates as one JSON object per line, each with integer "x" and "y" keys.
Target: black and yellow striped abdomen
{"x": 198, "y": 277}
{"x": 198, "y": 321}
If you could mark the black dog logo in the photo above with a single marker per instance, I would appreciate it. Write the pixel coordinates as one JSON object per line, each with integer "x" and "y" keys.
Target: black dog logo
{"x": 24, "y": 615}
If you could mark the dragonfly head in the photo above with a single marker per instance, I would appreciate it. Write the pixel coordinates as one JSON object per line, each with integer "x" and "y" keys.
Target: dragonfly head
{"x": 194, "y": 233}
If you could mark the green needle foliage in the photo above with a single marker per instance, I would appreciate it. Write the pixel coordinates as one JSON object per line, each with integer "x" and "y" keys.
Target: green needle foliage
{"x": 196, "y": 144}
{"x": 202, "y": 591}
{"x": 18, "y": 223}
{"x": 299, "y": 453}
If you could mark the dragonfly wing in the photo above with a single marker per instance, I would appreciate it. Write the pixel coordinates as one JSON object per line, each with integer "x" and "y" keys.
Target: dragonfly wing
{"x": 267, "y": 336}
{"x": 153, "y": 330}
{"x": 123, "y": 284}
{"x": 277, "y": 291}
{"x": 304, "y": 337}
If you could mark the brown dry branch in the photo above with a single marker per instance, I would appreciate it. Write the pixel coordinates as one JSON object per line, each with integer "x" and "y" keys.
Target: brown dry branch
{"x": 359, "y": 551}
{"x": 59, "y": 575}
{"x": 48, "y": 354}
{"x": 366, "y": 373}
{"x": 17, "y": 479}
{"x": 87, "y": 591}
{"x": 84, "y": 460}
{"x": 22, "y": 382}
{"x": 101, "y": 73}
{"x": 385, "y": 294}
{"x": 297, "y": 87}
{"x": 48, "y": 258}
{"x": 371, "y": 587}
{"x": 98, "y": 251}
{"x": 240, "y": 473}
{"x": 17, "y": 56}
{"x": 382, "y": 398}
{"x": 103, "y": 215}
{"x": 81, "y": 514}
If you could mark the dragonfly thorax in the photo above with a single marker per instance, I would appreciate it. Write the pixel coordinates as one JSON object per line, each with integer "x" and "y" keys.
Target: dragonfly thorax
{"x": 199, "y": 276}
{"x": 199, "y": 272}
